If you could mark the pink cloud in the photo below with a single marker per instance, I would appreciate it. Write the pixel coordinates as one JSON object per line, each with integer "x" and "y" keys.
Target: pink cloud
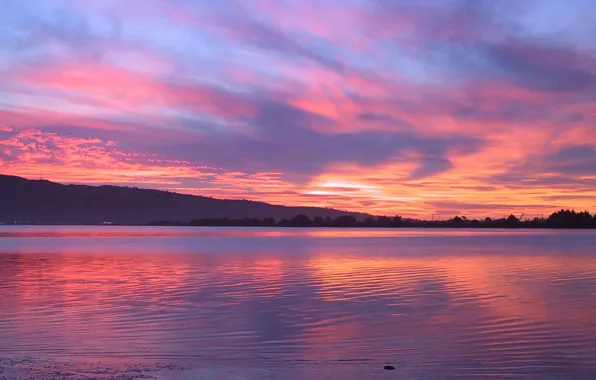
{"x": 427, "y": 108}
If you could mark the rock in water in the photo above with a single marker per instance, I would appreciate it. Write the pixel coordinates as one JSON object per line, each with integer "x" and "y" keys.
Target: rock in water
{"x": 389, "y": 367}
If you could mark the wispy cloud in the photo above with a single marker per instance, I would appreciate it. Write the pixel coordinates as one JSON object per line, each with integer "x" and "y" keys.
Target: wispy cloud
{"x": 411, "y": 108}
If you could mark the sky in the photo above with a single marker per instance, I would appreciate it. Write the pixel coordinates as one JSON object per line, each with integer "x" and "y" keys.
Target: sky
{"x": 422, "y": 109}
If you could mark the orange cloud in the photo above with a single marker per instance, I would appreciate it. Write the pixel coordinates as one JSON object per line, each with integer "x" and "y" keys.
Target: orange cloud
{"x": 385, "y": 108}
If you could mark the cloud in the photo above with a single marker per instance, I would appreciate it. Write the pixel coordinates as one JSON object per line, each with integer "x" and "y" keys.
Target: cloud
{"x": 544, "y": 68}
{"x": 431, "y": 166}
{"x": 285, "y": 139}
{"x": 573, "y": 165}
{"x": 31, "y": 153}
{"x": 271, "y": 134}
{"x": 384, "y": 118}
{"x": 479, "y": 101}
{"x": 572, "y": 161}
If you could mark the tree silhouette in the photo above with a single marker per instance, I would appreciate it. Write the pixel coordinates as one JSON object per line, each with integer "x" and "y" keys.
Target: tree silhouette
{"x": 559, "y": 219}
{"x": 570, "y": 219}
{"x": 300, "y": 220}
{"x": 346, "y": 221}
{"x": 318, "y": 221}
{"x": 457, "y": 221}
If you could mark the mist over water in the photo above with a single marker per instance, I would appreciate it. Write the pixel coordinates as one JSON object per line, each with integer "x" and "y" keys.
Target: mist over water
{"x": 436, "y": 304}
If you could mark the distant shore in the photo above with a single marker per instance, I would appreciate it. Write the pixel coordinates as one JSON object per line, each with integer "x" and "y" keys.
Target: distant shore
{"x": 563, "y": 219}
{"x": 559, "y": 219}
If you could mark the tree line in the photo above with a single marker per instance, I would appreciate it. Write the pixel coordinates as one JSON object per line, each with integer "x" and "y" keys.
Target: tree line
{"x": 559, "y": 219}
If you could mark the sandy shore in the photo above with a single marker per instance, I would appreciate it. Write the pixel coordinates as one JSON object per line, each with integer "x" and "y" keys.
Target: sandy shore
{"x": 45, "y": 369}
{"x": 29, "y": 368}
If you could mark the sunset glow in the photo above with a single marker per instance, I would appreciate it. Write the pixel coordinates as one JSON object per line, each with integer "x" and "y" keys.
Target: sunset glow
{"x": 417, "y": 108}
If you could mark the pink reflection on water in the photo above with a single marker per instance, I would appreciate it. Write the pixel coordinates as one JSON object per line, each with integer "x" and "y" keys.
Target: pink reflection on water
{"x": 302, "y": 299}
{"x": 147, "y": 231}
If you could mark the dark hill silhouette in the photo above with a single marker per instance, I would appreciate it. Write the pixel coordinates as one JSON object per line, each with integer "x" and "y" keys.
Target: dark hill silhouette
{"x": 40, "y": 201}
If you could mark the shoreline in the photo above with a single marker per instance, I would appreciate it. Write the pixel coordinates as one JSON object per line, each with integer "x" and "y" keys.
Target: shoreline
{"x": 36, "y": 368}
{"x": 28, "y": 367}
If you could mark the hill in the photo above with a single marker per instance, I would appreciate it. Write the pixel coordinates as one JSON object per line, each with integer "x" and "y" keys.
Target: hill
{"x": 40, "y": 201}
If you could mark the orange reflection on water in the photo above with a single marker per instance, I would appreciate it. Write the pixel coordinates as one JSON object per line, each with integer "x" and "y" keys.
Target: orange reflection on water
{"x": 508, "y": 286}
{"x": 84, "y": 297}
{"x": 163, "y": 232}
{"x": 269, "y": 274}
{"x": 423, "y": 299}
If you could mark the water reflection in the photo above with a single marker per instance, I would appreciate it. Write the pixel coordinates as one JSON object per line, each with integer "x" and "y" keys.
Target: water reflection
{"x": 457, "y": 309}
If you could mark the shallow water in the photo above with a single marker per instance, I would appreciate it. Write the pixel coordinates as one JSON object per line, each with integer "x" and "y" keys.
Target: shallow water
{"x": 436, "y": 304}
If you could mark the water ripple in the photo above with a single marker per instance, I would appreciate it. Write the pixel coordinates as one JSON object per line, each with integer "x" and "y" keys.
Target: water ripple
{"x": 466, "y": 312}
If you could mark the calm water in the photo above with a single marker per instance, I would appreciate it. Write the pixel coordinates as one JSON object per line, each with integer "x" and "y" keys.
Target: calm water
{"x": 437, "y": 304}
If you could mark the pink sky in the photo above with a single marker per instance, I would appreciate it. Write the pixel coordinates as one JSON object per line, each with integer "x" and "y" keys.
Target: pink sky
{"x": 479, "y": 108}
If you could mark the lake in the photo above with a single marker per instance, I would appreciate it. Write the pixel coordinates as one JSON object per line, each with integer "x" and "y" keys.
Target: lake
{"x": 305, "y": 303}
